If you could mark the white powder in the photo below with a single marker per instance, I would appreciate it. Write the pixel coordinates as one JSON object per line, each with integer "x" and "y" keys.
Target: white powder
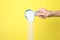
{"x": 30, "y": 17}
{"x": 30, "y": 31}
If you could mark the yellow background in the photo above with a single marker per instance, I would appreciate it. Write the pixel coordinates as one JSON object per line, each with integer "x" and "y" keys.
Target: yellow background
{"x": 13, "y": 25}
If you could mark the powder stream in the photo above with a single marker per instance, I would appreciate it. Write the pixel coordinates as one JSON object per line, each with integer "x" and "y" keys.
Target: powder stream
{"x": 30, "y": 31}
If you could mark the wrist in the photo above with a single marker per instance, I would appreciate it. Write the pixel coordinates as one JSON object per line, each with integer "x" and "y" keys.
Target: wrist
{"x": 53, "y": 13}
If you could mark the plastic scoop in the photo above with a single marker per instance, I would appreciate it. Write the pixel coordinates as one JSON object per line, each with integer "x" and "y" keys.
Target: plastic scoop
{"x": 29, "y": 14}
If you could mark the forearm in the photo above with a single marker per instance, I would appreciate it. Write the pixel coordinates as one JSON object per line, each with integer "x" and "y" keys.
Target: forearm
{"x": 56, "y": 13}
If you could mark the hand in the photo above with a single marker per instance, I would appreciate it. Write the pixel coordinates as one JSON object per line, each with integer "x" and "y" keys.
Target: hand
{"x": 44, "y": 13}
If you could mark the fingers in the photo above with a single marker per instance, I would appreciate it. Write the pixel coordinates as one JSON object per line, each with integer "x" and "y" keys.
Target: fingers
{"x": 41, "y": 13}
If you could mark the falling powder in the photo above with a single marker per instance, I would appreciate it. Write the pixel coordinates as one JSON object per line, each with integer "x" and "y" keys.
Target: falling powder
{"x": 30, "y": 31}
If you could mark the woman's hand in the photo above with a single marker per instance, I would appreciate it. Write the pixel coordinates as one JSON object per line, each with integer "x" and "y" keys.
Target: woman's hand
{"x": 44, "y": 13}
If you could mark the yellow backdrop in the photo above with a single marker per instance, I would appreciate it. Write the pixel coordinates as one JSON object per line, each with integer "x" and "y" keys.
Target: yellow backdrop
{"x": 13, "y": 25}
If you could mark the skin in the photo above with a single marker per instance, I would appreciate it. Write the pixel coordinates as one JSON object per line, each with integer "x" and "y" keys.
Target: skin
{"x": 44, "y": 13}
